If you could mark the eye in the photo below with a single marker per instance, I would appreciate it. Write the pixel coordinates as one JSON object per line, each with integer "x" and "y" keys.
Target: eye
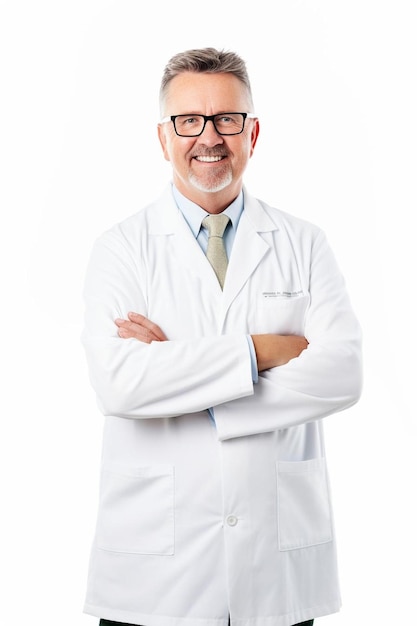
{"x": 188, "y": 120}
{"x": 228, "y": 118}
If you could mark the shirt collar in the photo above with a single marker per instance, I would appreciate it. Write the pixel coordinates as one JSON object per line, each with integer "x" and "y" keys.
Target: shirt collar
{"x": 194, "y": 214}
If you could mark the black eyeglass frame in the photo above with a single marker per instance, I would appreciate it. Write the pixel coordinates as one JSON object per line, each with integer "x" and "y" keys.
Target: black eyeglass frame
{"x": 207, "y": 118}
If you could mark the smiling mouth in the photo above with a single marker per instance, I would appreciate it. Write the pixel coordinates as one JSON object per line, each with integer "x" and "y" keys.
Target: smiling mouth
{"x": 209, "y": 159}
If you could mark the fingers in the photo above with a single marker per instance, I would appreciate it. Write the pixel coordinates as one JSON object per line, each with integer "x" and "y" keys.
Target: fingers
{"x": 153, "y": 328}
{"x": 139, "y": 327}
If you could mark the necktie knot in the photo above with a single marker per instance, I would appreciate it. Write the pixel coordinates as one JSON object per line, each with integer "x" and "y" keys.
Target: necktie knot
{"x": 216, "y": 224}
{"x": 216, "y": 252}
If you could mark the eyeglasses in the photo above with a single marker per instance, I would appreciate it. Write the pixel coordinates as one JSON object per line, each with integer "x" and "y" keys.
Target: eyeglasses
{"x": 191, "y": 125}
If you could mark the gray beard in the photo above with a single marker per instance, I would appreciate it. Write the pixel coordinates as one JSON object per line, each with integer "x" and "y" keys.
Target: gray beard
{"x": 217, "y": 184}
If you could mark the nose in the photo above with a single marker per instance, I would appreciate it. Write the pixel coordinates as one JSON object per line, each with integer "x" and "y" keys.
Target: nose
{"x": 209, "y": 136}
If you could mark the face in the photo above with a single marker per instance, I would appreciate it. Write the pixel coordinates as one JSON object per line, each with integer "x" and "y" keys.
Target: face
{"x": 208, "y": 169}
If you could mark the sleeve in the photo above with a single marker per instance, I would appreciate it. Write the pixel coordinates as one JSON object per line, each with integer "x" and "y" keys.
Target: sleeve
{"x": 325, "y": 379}
{"x": 162, "y": 379}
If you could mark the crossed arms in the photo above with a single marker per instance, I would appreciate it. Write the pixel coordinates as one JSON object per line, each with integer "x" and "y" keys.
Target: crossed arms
{"x": 271, "y": 350}
{"x": 157, "y": 375}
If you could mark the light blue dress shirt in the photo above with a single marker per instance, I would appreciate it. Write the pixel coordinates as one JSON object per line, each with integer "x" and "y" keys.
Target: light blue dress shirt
{"x": 194, "y": 215}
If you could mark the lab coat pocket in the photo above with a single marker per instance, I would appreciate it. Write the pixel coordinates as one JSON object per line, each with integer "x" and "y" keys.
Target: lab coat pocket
{"x": 137, "y": 510}
{"x": 304, "y": 514}
{"x": 284, "y": 314}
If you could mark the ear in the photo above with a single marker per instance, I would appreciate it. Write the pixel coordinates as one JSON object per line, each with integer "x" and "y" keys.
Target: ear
{"x": 163, "y": 141}
{"x": 254, "y": 135}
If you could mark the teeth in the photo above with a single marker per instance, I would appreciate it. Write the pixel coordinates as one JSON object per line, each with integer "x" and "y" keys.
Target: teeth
{"x": 209, "y": 159}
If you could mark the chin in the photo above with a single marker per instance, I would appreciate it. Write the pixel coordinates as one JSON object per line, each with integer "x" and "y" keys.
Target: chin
{"x": 211, "y": 186}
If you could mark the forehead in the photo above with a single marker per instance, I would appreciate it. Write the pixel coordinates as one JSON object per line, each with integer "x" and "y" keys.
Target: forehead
{"x": 196, "y": 92}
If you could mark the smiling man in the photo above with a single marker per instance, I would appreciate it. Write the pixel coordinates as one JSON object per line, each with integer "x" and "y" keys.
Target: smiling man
{"x": 208, "y": 166}
{"x": 218, "y": 334}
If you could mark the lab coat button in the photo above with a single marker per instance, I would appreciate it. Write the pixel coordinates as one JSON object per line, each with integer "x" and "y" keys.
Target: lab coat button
{"x": 232, "y": 520}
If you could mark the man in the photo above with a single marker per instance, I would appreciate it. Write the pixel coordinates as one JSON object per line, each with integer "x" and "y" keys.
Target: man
{"x": 214, "y": 373}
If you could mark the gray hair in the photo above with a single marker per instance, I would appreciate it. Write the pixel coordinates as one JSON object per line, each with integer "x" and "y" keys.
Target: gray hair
{"x": 205, "y": 60}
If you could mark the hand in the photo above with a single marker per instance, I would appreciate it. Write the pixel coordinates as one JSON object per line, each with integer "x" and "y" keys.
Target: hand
{"x": 139, "y": 327}
{"x": 274, "y": 350}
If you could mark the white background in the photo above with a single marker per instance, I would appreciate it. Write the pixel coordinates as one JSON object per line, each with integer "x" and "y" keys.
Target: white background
{"x": 335, "y": 89}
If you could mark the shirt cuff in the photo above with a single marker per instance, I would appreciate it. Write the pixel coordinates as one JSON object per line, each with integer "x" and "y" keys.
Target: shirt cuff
{"x": 254, "y": 362}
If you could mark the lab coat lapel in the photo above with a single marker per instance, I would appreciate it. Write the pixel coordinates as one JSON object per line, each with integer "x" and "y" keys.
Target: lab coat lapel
{"x": 249, "y": 248}
{"x": 170, "y": 221}
{"x": 191, "y": 256}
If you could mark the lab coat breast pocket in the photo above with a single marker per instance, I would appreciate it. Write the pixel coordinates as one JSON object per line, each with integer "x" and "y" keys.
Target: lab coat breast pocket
{"x": 304, "y": 515}
{"x": 137, "y": 510}
{"x": 282, "y": 313}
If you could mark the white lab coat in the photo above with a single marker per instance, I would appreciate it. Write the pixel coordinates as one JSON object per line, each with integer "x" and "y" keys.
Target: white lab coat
{"x": 198, "y": 521}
